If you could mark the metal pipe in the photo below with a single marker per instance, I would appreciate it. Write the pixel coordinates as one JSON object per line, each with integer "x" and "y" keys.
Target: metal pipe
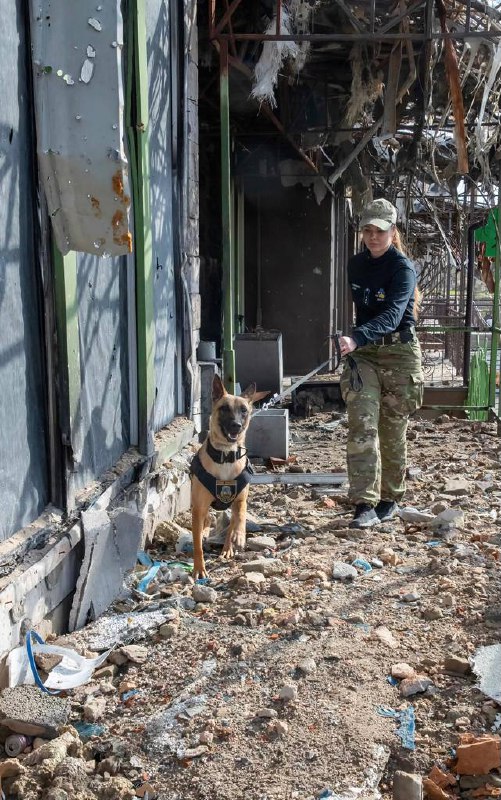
{"x": 468, "y": 16}
{"x": 143, "y": 236}
{"x": 227, "y": 246}
{"x": 216, "y": 29}
{"x": 259, "y": 309}
{"x": 395, "y": 20}
{"x": 230, "y": 26}
{"x": 366, "y": 36}
{"x": 212, "y": 18}
{"x": 469, "y": 300}
{"x": 240, "y": 272}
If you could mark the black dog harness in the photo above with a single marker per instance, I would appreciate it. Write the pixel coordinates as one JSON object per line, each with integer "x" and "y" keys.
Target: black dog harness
{"x": 223, "y": 492}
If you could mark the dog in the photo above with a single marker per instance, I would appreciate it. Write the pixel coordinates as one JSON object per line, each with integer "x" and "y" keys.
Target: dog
{"x": 220, "y": 472}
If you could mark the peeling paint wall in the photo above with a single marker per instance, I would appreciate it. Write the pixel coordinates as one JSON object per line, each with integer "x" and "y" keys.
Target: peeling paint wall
{"x": 80, "y": 123}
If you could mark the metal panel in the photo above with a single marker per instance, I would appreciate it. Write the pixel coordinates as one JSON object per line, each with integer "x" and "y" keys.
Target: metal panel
{"x": 161, "y": 194}
{"x": 23, "y": 457}
{"x": 104, "y": 398}
{"x": 77, "y": 52}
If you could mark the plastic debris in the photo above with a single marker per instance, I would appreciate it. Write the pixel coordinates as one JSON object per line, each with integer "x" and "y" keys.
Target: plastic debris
{"x": 407, "y": 729}
{"x": 171, "y": 570}
{"x": 486, "y": 661}
{"x": 410, "y": 514}
{"x": 86, "y": 730}
{"x": 73, "y": 669}
{"x": 362, "y": 564}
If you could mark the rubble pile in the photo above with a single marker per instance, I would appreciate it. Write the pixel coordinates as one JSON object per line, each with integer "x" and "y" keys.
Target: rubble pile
{"x": 322, "y": 662}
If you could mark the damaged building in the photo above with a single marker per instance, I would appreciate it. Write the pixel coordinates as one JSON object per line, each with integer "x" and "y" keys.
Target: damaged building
{"x": 182, "y": 184}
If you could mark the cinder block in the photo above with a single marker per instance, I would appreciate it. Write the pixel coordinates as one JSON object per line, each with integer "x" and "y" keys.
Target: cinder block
{"x": 407, "y": 786}
{"x": 268, "y": 434}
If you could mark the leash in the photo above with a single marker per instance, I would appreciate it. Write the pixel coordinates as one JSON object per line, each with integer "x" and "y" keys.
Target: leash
{"x": 356, "y": 382}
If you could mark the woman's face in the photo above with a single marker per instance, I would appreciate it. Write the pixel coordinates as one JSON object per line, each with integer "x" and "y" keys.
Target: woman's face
{"x": 376, "y": 240}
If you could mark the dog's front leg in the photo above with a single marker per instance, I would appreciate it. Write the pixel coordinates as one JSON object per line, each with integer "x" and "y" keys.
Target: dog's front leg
{"x": 235, "y": 538}
{"x": 197, "y": 528}
{"x": 200, "y": 504}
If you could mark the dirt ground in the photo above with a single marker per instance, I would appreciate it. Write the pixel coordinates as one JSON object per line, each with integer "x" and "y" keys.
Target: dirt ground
{"x": 274, "y": 682}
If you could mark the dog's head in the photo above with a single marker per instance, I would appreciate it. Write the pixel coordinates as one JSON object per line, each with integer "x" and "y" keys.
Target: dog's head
{"x": 230, "y": 414}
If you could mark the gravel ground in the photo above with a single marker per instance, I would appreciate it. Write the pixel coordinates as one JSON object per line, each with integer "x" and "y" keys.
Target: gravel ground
{"x": 269, "y": 681}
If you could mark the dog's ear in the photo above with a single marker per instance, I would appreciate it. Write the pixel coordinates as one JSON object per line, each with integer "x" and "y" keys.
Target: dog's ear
{"x": 218, "y": 390}
{"x": 249, "y": 393}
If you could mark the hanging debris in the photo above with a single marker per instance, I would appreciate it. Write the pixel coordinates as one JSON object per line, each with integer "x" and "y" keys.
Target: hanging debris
{"x": 295, "y": 18}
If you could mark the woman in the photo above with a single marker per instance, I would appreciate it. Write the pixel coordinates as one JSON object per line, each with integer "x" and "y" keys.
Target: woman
{"x": 389, "y": 384}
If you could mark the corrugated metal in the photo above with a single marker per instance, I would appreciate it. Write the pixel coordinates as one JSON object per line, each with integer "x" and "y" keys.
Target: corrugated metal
{"x": 23, "y": 481}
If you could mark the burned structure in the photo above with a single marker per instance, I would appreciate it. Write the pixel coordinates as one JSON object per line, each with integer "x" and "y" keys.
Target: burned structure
{"x": 321, "y": 106}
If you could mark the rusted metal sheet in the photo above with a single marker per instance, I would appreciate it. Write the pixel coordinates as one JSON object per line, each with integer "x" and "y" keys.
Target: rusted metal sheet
{"x": 77, "y": 55}
{"x": 452, "y": 72}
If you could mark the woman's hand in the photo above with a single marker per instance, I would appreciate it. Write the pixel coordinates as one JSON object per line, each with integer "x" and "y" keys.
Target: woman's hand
{"x": 347, "y": 345}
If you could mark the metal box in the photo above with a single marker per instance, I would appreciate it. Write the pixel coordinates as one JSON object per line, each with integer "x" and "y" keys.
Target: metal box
{"x": 258, "y": 359}
{"x": 268, "y": 434}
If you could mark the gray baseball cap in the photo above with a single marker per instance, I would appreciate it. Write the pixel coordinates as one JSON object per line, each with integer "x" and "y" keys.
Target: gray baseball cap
{"x": 380, "y": 213}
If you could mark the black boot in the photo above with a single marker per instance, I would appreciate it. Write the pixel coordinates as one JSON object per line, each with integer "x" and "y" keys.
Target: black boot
{"x": 364, "y": 517}
{"x": 386, "y": 509}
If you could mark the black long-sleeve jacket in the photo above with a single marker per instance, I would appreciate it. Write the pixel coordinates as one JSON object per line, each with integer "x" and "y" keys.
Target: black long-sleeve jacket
{"x": 383, "y": 293}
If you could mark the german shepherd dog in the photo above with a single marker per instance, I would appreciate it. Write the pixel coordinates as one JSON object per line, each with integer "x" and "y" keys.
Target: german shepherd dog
{"x": 220, "y": 472}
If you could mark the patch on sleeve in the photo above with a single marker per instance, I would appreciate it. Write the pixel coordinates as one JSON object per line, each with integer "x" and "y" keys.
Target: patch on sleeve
{"x": 380, "y": 295}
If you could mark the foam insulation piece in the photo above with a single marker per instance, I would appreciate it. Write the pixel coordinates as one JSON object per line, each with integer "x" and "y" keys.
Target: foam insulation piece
{"x": 487, "y": 668}
{"x": 77, "y": 58}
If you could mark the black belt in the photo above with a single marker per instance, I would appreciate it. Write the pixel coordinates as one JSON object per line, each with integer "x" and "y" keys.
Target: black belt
{"x": 407, "y": 335}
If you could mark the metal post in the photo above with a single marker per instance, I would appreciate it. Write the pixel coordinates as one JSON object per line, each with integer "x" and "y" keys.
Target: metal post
{"x": 495, "y": 314}
{"x": 469, "y": 301}
{"x": 227, "y": 246}
{"x": 240, "y": 271}
{"x": 138, "y": 134}
{"x": 68, "y": 339}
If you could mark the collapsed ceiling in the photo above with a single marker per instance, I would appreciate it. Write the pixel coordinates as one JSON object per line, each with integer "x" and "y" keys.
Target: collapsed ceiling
{"x": 379, "y": 97}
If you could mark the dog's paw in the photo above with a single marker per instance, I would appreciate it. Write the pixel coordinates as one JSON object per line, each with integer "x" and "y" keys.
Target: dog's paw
{"x": 235, "y": 541}
{"x": 199, "y": 570}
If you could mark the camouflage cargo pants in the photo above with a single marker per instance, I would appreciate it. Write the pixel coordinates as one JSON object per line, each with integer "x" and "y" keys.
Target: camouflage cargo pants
{"x": 377, "y": 419}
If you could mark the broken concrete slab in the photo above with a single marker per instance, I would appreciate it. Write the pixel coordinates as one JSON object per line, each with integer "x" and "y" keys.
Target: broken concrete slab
{"x": 120, "y": 629}
{"x": 111, "y": 546}
{"x": 28, "y": 710}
